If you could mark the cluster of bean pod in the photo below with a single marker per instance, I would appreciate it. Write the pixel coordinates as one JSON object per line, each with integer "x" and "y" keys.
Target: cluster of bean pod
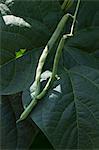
{"x": 35, "y": 88}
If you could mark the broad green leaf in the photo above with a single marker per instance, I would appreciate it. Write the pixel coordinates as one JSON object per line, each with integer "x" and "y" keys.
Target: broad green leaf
{"x": 13, "y": 42}
{"x": 73, "y": 56}
{"x": 69, "y": 113}
{"x": 10, "y": 41}
{"x": 77, "y": 50}
{"x": 5, "y": 56}
{"x": 96, "y": 19}
{"x": 29, "y": 29}
{"x": 17, "y": 74}
{"x": 88, "y": 14}
{"x": 52, "y": 19}
{"x": 1, "y": 22}
{"x": 46, "y": 11}
{"x": 11, "y": 133}
{"x": 86, "y": 39}
{"x": 26, "y": 129}
{"x": 34, "y": 9}
{"x": 56, "y": 114}
{"x": 96, "y": 54}
{"x": 15, "y": 36}
{"x": 7, "y": 125}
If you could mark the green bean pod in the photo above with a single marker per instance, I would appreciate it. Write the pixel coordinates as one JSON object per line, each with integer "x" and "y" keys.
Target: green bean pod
{"x": 28, "y": 110}
{"x": 34, "y": 91}
{"x": 54, "y": 70}
{"x": 58, "y": 30}
{"x": 49, "y": 45}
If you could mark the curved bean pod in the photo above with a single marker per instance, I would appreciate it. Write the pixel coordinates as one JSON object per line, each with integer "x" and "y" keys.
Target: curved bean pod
{"x": 54, "y": 71}
{"x": 49, "y": 45}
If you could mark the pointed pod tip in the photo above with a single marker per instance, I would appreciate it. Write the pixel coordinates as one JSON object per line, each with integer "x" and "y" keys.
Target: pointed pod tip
{"x": 19, "y": 120}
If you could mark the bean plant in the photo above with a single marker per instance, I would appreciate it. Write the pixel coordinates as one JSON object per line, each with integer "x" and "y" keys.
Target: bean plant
{"x": 49, "y": 67}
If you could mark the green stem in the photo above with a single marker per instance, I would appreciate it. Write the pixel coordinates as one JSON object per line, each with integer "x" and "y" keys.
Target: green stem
{"x": 75, "y": 15}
